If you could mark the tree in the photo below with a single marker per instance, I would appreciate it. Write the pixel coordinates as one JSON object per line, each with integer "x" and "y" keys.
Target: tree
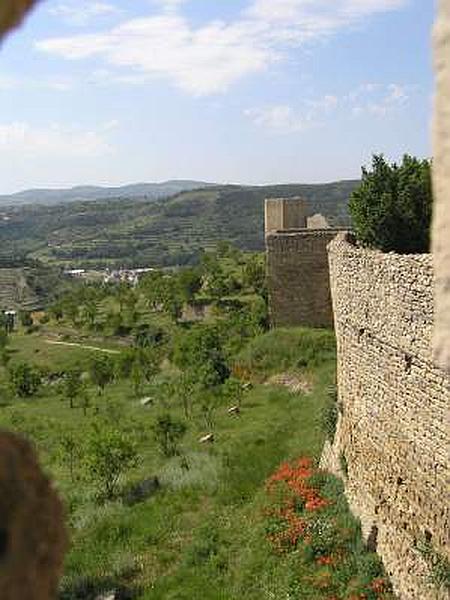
{"x": 4, "y": 338}
{"x": 200, "y": 350}
{"x": 91, "y": 312}
{"x": 254, "y": 273}
{"x": 190, "y": 282}
{"x": 101, "y": 370}
{"x": 72, "y": 386}
{"x": 110, "y": 453}
{"x": 26, "y": 319}
{"x": 392, "y": 208}
{"x": 25, "y": 380}
{"x": 70, "y": 453}
{"x": 168, "y": 433}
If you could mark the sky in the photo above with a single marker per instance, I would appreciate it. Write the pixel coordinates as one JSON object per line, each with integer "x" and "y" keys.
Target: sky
{"x": 111, "y": 92}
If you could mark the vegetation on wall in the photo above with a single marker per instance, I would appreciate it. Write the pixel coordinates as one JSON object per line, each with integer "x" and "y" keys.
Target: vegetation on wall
{"x": 391, "y": 210}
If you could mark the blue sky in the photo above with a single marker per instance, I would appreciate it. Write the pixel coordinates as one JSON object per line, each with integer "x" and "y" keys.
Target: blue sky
{"x": 251, "y": 91}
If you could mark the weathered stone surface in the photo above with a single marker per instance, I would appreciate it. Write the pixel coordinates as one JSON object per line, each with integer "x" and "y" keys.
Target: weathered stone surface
{"x": 441, "y": 184}
{"x": 393, "y": 433}
{"x": 32, "y": 533}
{"x": 298, "y": 278}
{"x": 282, "y": 214}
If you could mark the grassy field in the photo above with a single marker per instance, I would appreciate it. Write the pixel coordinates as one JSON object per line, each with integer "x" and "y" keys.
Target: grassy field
{"x": 207, "y": 531}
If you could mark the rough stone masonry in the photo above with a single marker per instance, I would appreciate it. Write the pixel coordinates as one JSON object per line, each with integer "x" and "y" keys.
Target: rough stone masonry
{"x": 297, "y": 264}
{"x": 392, "y": 440}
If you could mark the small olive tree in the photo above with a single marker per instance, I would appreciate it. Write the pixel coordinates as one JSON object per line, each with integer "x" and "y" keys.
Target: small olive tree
{"x": 102, "y": 371}
{"x": 109, "y": 454}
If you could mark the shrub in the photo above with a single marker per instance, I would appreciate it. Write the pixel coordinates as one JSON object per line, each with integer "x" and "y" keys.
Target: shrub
{"x": 109, "y": 455}
{"x": 168, "y": 433}
{"x": 200, "y": 350}
{"x": 392, "y": 208}
{"x": 101, "y": 370}
{"x": 439, "y": 565}
{"x": 25, "y": 380}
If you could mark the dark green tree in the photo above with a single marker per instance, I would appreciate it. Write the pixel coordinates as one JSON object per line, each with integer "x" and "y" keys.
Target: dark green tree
{"x": 190, "y": 282}
{"x": 25, "y": 380}
{"x": 101, "y": 370}
{"x": 200, "y": 351}
{"x": 392, "y": 208}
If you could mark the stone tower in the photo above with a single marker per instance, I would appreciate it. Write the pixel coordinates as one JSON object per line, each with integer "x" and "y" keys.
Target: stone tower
{"x": 283, "y": 214}
{"x": 297, "y": 265}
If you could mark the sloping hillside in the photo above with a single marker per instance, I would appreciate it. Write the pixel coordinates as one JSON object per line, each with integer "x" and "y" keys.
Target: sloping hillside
{"x": 161, "y": 233}
{"x": 85, "y": 193}
{"x": 15, "y": 292}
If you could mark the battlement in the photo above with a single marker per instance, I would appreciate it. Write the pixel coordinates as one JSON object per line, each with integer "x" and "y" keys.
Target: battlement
{"x": 283, "y": 214}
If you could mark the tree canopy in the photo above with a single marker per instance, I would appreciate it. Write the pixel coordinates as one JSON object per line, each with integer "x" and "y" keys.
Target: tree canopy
{"x": 392, "y": 208}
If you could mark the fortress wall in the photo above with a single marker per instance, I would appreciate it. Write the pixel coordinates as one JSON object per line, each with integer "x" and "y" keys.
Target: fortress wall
{"x": 441, "y": 183}
{"x": 298, "y": 278}
{"x": 391, "y": 443}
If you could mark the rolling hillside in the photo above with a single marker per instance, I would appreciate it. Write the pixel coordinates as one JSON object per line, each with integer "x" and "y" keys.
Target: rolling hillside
{"x": 159, "y": 232}
{"x": 85, "y": 193}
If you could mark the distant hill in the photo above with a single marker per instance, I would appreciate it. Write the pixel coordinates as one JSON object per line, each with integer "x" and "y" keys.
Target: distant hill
{"x": 145, "y": 191}
{"x": 173, "y": 231}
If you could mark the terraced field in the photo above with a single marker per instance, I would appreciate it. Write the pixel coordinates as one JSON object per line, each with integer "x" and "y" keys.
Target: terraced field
{"x": 159, "y": 233}
{"x": 15, "y": 293}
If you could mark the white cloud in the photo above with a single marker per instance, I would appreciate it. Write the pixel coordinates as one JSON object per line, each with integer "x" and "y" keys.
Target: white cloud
{"x": 279, "y": 119}
{"x": 201, "y": 62}
{"x": 210, "y": 58}
{"x": 170, "y": 5}
{"x": 55, "y": 141}
{"x": 79, "y": 13}
{"x": 378, "y": 100}
{"x": 373, "y": 99}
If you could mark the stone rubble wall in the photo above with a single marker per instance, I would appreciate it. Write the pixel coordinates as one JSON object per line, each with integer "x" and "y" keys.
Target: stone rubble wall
{"x": 392, "y": 443}
{"x": 298, "y": 278}
{"x": 441, "y": 183}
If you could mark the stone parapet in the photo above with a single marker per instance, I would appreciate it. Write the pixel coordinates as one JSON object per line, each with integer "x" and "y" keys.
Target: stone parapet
{"x": 392, "y": 439}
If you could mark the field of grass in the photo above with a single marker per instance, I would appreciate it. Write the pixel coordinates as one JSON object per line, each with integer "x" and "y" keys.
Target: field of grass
{"x": 205, "y": 533}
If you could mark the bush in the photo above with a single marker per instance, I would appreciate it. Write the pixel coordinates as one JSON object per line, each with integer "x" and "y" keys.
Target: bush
{"x": 200, "y": 350}
{"x": 392, "y": 208}
{"x": 25, "y": 380}
{"x": 101, "y": 371}
{"x": 168, "y": 433}
{"x": 110, "y": 453}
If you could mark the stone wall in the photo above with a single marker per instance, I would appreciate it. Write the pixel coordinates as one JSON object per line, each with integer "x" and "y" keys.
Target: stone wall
{"x": 298, "y": 278}
{"x": 441, "y": 183}
{"x": 391, "y": 443}
{"x": 285, "y": 213}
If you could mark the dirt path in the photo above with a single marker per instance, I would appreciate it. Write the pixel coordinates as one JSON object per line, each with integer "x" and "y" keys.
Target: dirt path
{"x": 76, "y": 345}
